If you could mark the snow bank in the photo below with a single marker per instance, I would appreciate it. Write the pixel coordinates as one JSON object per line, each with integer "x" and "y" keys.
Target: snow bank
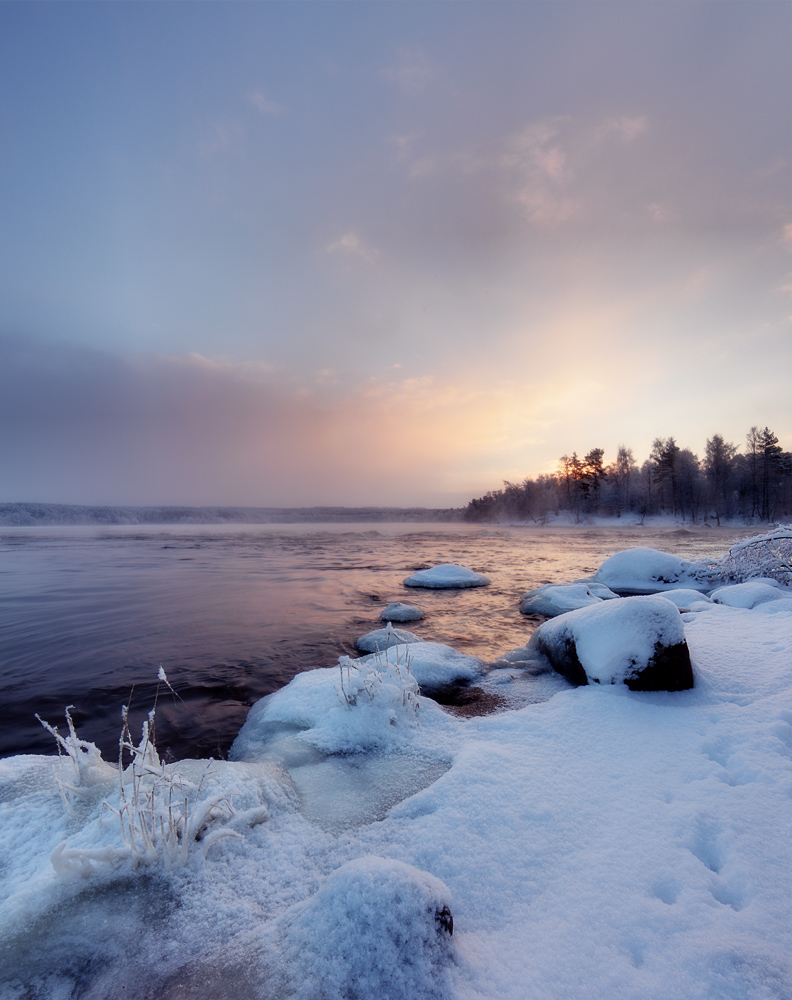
{"x": 398, "y": 611}
{"x": 637, "y": 641}
{"x": 750, "y": 594}
{"x": 647, "y": 571}
{"x": 446, "y": 575}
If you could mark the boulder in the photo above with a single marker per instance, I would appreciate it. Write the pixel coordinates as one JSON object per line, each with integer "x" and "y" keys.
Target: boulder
{"x": 637, "y": 641}
{"x": 647, "y": 571}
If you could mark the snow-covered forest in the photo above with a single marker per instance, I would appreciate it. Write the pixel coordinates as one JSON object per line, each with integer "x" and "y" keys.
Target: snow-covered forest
{"x": 726, "y": 484}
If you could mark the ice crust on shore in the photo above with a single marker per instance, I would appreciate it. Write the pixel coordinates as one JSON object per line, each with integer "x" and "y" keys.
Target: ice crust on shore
{"x": 604, "y": 844}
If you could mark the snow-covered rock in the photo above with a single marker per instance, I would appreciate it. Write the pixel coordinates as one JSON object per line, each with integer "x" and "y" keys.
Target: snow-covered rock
{"x": 432, "y": 664}
{"x": 553, "y": 599}
{"x": 685, "y": 599}
{"x": 360, "y": 704}
{"x": 647, "y": 571}
{"x": 446, "y": 575}
{"x": 750, "y": 594}
{"x": 637, "y": 641}
{"x": 399, "y": 611}
{"x": 382, "y": 638}
{"x": 376, "y": 928}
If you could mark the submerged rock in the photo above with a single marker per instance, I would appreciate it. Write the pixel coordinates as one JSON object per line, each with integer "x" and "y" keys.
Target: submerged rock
{"x": 637, "y": 641}
{"x": 447, "y": 575}
{"x": 398, "y": 611}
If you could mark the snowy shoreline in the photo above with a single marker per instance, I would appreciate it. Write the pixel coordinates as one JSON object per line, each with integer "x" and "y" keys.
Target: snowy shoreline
{"x": 606, "y": 843}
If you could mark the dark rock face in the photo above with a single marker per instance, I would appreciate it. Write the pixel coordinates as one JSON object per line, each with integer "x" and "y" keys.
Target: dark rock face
{"x": 669, "y": 668}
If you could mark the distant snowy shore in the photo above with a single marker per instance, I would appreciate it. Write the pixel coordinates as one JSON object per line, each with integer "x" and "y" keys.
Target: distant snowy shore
{"x": 23, "y": 515}
{"x": 30, "y": 514}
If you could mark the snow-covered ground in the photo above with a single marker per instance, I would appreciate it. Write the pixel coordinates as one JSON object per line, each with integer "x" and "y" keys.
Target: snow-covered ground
{"x": 606, "y": 843}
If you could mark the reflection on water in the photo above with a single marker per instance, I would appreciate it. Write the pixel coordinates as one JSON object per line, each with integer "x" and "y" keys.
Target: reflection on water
{"x": 233, "y": 613}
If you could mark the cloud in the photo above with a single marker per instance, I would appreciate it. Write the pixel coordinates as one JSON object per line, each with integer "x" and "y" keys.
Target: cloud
{"x": 536, "y": 158}
{"x": 658, "y": 213}
{"x": 624, "y": 127}
{"x": 787, "y": 234}
{"x": 265, "y": 105}
{"x": 411, "y": 72}
{"x": 352, "y": 245}
{"x": 220, "y": 137}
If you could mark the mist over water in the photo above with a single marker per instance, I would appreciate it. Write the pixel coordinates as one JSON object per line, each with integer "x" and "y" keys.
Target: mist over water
{"x": 232, "y": 613}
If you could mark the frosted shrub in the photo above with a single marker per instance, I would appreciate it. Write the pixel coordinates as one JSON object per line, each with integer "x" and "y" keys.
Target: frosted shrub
{"x": 768, "y": 555}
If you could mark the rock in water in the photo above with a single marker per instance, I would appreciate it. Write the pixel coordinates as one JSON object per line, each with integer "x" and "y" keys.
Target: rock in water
{"x": 446, "y": 575}
{"x": 637, "y": 641}
{"x": 383, "y": 638}
{"x": 551, "y": 599}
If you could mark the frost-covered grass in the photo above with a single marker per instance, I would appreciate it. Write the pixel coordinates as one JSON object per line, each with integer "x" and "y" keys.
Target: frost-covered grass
{"x": 162, "y": 815}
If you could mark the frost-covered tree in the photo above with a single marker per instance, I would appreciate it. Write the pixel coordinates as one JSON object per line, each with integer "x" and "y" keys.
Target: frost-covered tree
{"x": 719, "y": 470}
{"x": 688, "y": 484}
{"x": 593, "y": 476}
{"x": 663, "y": 458}
{"x": 621, "y": 475}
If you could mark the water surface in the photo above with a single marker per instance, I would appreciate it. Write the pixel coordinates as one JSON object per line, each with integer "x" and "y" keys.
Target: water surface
{"x": 87, "y": 614}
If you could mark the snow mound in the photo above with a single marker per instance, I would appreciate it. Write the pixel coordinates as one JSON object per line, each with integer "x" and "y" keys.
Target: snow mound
{"x": 637, "y": 641}
{"x": 446, "y": 575}
{"x": 647, "y": 571}
{"x": 376, "y": 928}
{"x": 750, "y": 594}
{"x": 552, "y": 599}
{"x": 399, "y": 611}
{"x": 382, "y": 638}
{"x": 432, "y": 664}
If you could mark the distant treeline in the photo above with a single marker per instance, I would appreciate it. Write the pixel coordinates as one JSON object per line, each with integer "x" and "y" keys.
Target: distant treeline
{"x": 29, "y": 514}
{"x": 725, "y": 484}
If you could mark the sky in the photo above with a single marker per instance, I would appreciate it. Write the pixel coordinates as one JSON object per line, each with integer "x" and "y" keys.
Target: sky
{"x": 386, "y": 253}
